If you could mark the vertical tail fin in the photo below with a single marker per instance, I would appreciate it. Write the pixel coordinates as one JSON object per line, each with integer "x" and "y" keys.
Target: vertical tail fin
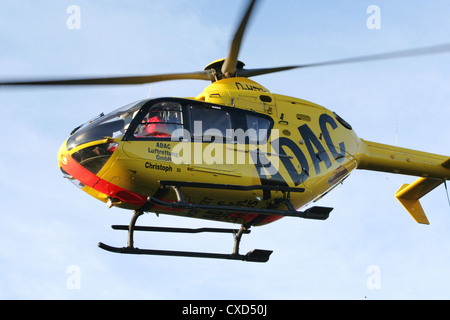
{"x": 410, "y": 194}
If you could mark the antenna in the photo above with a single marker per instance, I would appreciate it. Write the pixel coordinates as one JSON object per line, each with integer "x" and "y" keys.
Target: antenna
{"x": 446, "y": 190}
{"x": 396, "y": 134}
{"x": 149, "y": 91}
{"x": 168, "y": 88}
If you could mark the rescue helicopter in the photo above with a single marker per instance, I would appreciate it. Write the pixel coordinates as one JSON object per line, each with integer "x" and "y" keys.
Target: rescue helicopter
{"x": 235, "y": 153}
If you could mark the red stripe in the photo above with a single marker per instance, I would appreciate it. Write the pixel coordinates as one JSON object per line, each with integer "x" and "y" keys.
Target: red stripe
{"x": 91, "y": 180}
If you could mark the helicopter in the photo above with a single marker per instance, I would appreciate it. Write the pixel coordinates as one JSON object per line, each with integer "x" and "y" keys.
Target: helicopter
{"x": 235, "y": 153}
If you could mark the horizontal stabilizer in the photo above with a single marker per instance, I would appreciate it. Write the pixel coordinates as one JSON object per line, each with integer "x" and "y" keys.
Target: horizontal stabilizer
{"x": 409, "y": 195}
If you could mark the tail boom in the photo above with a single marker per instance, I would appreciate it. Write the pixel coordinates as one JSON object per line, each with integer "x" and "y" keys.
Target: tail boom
{"x": 392, "y": 159}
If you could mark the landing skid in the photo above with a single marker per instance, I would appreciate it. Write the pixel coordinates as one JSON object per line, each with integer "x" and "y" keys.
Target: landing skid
{"x": 256, "y": 255}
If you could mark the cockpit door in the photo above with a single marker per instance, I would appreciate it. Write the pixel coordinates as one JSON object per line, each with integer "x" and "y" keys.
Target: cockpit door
{"x": 155, "y": 131}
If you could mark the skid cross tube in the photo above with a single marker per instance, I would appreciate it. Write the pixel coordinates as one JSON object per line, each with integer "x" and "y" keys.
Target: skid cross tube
{"x": 132, "y": 227}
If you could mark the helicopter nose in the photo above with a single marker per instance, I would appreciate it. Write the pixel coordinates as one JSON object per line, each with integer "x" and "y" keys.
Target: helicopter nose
{"x": 86, "y": 160}
{"x": 82, "y": 166}
{"x": 62, "y": 156}
{"x": 94, "y": 157}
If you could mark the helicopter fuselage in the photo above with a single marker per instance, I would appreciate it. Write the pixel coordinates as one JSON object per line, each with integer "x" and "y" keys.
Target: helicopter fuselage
{"x": 294, "y": 143}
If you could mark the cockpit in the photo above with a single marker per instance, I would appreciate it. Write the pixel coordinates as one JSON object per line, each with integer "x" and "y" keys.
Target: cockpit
{"x": 172, "y": 119}
{"x": 159, "y": 121}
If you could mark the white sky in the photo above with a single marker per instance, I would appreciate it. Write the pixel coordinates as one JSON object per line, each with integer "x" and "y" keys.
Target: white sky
{"x": 47, "y": 226}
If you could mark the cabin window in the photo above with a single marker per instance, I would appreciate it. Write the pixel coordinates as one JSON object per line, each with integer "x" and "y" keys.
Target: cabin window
{"x": 160, "y": 121}
{"x": 210, "y": 123}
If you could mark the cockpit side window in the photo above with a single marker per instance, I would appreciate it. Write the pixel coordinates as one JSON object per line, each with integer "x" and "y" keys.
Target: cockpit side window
{"x": 161, "y": 121}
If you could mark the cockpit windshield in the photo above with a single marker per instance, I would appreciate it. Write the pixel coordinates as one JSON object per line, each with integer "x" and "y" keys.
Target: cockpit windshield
{"x": 112, "y": 125}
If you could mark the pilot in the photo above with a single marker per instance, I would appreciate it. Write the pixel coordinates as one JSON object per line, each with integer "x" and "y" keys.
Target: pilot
{"x": 156, "y": 127}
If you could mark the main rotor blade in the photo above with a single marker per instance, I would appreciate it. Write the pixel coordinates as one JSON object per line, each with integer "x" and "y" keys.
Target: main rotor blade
{"x": 201, "y": 75}
{"x": 383, "y": 56}
{"x": 229, "y": 65}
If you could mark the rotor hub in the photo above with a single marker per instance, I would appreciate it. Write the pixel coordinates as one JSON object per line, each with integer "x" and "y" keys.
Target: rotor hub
{"x": 217, "y": 67}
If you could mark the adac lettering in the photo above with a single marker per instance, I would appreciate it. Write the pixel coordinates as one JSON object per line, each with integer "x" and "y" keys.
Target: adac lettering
{"x": 313, "y": 144}
{"x": 163, "y": 145}
{"x": 297, "y": 177}
{"x": 323, "y": 121}
{"x": 316, "y": 153}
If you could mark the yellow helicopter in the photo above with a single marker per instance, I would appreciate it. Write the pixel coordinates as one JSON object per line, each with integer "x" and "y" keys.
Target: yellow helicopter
{"x": 235, "y": 153}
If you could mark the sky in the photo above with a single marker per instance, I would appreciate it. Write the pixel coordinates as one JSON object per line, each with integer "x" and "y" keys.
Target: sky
{"x": 369, "y": 248}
